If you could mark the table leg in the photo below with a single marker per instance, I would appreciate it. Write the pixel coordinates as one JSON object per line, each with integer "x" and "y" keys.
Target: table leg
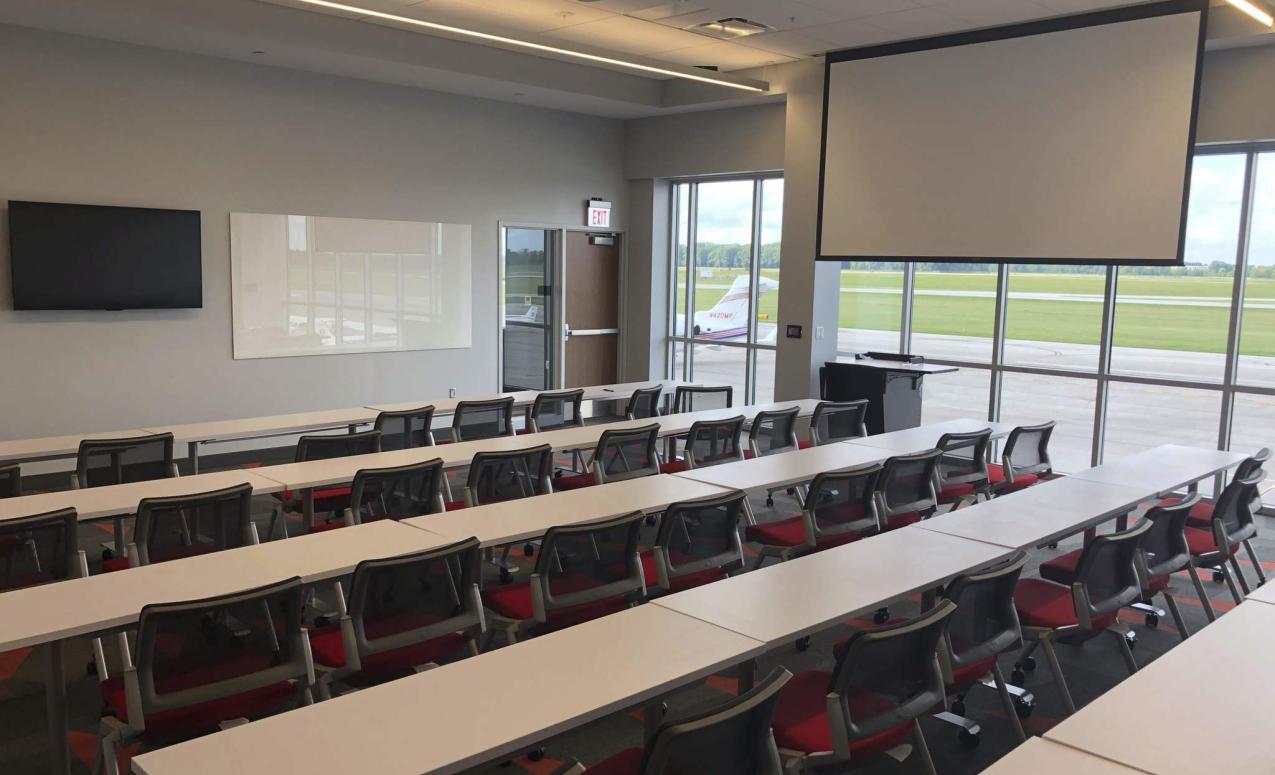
{"x": 55, "y": 705}
{"x": 192, "y": 452}
{"x": 652, "y": 715}
{"x": 747, "y": 675}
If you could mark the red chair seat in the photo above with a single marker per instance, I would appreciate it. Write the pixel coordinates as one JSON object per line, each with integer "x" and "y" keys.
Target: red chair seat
{"x": 513, "y": 601}
{"x": 1158, "y": 584}
{"x": 1062, "y": 568}
{"x": 804, "y": 444}
{"x": 902, "y": 520}
{"x": 204, "y": 716}
{"x": 1042, "y": 603}
{"x": 996, "y": 474}
{"x": 678, "y": 583}
{"x": 801, "y": 718}
{"x": 674, "y": 467}
{"x": 523, "y": 432}
{"x": 1201, "y": 513}
{"x": 625, "y": 762}
{"x": 792, "y": 532}
{"x": 331, "y": 499}
{"x": 453, "y": 505}
{"x": 954, "y": 492}
{"x": 323, "y": 525}
{"x": 329, "y": 650}
{"x": 1201, "y": 542}
{"x": 574, "y": 482}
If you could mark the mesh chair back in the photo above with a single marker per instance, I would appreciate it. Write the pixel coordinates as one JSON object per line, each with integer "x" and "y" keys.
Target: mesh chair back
{"x": 592, "y": 562}
{"x": 627, "y": 453}
{"x": 338, "y": 445}
{"x": 1164, "y": 548}
{"x": 1233, "y": 512}
{"x": 710, "y": 442}
{"x": 10, "y": 481}
{"x": 408, "y": 429}
{"x": 985, "y": 622}
{"x": 553, "y": 410}
{"x": 120, "y": 461}
{"x": 504, "y": 476}
{"x": 203, "y": 650}
{"x": 697, "y": 399}
{"x": 964, "y": 458}
{"x": 730, "y": 739}
{"x": 187, "y": 525}
{"x": 773, "y": 432}
{"x": 699, "y": 535}
{"x": 887, "y": 676}
{"x": 38, "y": 549}
{"x": 839, "y": 420}
{"x": 1251, "y": 465}
{"x": 398, "y": 492}
{"x": 1027, "y": 451}
{"x": 644, "y": 402}
{"x": 401, "y": 601}
{"x": 907, "y": 484}
{"x": 483, "y": 419}
{"x": 1106, "y": 574}
{"x": 842, "y": 501}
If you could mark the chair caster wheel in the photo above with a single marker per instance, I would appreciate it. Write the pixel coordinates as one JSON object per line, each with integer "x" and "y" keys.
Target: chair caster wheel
{"x": 881, "y": 616}
{"x": 1153, "y": 620}
{"x": 770, "y": 501}
{"x": 1218, "y": 577}
{"x": 1017, "y": 677}
{"x": 1029, "y": 664}
{"x": 1052, "y": 546}
{"x": 968, "y": 739}
{"x": 505, "y": 575}
{"x": 803, "y": 644}
{"x": 1131, "y": 638}
{"x": 958, "y": 707}
{"x": 1023, "y": 708}
{"x": 107, "y": 554}
{"x": 529, "y": 550}
{"x": 536, "y": 755}
{"x": 91, "y": 668}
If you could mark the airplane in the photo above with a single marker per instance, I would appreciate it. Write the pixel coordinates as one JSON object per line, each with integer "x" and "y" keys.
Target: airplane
{"x": 728, "y": 319}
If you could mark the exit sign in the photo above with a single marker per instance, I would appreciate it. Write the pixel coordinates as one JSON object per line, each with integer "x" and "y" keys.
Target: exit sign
{"x": 597, "y": 214}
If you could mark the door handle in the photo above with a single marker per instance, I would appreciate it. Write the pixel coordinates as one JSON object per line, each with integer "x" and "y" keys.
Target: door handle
{"x": 566, "y": 332}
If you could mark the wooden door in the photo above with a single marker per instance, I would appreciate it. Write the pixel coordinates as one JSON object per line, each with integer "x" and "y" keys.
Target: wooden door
{"x": 592, "y": 310}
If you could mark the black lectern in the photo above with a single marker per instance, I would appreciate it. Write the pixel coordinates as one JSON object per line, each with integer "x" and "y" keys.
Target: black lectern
{"x": 890, "y": 382}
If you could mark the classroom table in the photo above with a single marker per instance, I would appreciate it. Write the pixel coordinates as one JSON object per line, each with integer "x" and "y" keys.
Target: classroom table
{"x": 790, "y": 600}
{"x": 1164, "y": 469}
{"x": 785, "y": 468}
{"x": 1039, "y": 756}
{"x": 55, "y": 447}
{"x": 48, "y": 615}
{"x": 1200, "y": 707}
{"x": 1264, "y": 593}
{"x": 522, "y": 398}
{"x": 457, "y": 716}
{"x": 525, "y": 518}
{"x": 926, "y": 437}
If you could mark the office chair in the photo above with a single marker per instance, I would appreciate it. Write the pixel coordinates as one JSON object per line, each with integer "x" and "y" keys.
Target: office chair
{"x": 408, "y": 429}
{"x": 101, "y": 462}
{"x": 486, "y": 419}
{"x": 40, "y": 549}
{"x": 841, "y": 507}
{"x": 1202, "y": 514}
{"x": 772, "y": 433}
{"x": 555, "y": 410}
{"x": 188, "y": 525}
{"x": 202, "y": 663}
{"x": 690, "y": 398}
{"x": 1106, "y": 581}
{"x": 834, "y": 421}
{"x": 1232, "y": 527}
{"x": 502, "y": 476}
{"x": 1025, "y": 460}
{"x": 709, "y": 443}
{"x": 697, "y": 543}
{"x": 403, "y": 614}
{"x": 582, "y": 572}
{"x": 396, "y": 493}
{"x": 627, "y": 453}
{"x": 884, "y": 681}
{"x": 644, "y": 403}
{"x": 905, "y": 490}
{"x": 963, "y": 473}
{"x": 10, "y": 481}
{"x": 332, "y": 501}
{"x": 731, "y": 738}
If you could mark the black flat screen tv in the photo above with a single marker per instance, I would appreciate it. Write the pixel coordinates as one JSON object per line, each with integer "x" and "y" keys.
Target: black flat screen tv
{"x": 70, "y": 256}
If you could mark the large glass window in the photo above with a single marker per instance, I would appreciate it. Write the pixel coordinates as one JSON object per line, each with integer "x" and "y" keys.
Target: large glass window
{"x": 1030, "y": 399}
{"x": 954, "y": 310}
{"x": 871, "y": 307}
{"x": 725, "y": 279}
{"x": 1257, "y": 334}
{"x": 1053, "y": 316}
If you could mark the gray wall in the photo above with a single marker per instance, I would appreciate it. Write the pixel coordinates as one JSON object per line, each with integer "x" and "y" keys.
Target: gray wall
{"x": 710, "y": 142}
{"x": 105, "y": 123}
{"x": 1237, "y": 96}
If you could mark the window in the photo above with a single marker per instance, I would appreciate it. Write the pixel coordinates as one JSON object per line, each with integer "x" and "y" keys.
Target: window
{"x": 725, "y": 280}
{"x": 954, "y": 310}
{"x": 1053, "y": 318}
{"x": 871, "y": 307}
{"x": 1257, "y": 339}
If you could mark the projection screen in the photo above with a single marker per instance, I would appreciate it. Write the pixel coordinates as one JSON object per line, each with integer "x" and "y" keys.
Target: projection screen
{"x": 1066, "y": 140}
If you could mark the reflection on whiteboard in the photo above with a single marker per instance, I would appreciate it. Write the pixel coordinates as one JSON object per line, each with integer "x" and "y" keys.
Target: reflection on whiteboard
{"x": 305, "y": 285}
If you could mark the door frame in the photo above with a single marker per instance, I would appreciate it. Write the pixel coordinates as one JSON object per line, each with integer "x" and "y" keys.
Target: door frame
{"x": 558, "y": 320}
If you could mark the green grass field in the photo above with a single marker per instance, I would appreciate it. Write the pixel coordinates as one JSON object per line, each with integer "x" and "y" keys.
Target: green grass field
{"x": 1164, "y": 327}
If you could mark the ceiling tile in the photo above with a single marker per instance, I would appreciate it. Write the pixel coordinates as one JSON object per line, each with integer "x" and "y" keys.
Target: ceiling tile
{"x": 919, "y": 22}
{"x": 849, "y": 34}
{"x": 723, "y": 54}
{"x": 631, "y": 36}
{"x": 858, "y": 9}
{"x": 993, "y": 13}
{"x": 790, "y": 42}
{"x": 520, "y": 16}
{"x": 1077, "y": 6}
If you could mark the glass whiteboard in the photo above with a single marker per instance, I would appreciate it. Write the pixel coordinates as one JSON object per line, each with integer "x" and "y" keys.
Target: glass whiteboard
{"x": 308, "y": 285}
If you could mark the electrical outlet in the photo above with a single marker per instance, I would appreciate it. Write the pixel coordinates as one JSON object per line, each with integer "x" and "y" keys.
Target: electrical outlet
{"x": 818, "y": 332}
{"x": 451, "y": 392}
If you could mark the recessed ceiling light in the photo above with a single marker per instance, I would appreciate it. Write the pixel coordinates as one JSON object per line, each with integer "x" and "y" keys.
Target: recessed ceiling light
{"x": 1255, "y": 10}
{"x": 730, "y": 29}
{"x": 606, "y": 60}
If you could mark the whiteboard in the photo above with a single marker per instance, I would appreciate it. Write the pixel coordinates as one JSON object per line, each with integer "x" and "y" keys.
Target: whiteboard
{"x": 311, "y": 285}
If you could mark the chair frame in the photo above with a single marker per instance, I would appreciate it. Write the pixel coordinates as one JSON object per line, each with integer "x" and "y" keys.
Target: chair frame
{"x": 871, "y": 520}
{"x": 698, "y": 425}
{"x": 88, "y": 447}
{"x": 306, "y": 495}
{"x": 730, "y": 561}
{"x": 682, "y": 391}
{"x": 1232, "y": 496}
{"x": 575, "y": 397}
{"x": 354, "y": 514}
{"x": 824, "y": 407}
{"x": 1044, "y": 469}
{"x": 630, "y": 408}
{"x": 980, "y": 442}
{"x": 1175, "y": 519}
{"x": 608, "y": 437}
{"x": 505, "y": 403}
{"x": 143, "y": 525}
{"x": 927, "y": 506}
{"x": 426, "y": 412}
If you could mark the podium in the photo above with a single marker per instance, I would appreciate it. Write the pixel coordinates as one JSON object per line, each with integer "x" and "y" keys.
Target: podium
{"x": 891, "y": 383}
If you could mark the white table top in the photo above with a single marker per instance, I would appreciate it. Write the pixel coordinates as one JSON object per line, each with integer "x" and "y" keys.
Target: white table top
{"x": 56, "y": 446}
{"x": 1039, "y": 756}
{"x": 617, "y": 392}
{"x": 512, "y": 521}
{"x": 1201, "y": 707}
{"x": 251, "y": 427}
{"x": 83, "y": 606}
{"x": 1264, "y": 593}
{"x": 793, "y": 599}
{"x": 448, "y": 719}
{"x": 785, "y": 468}
{"x": 926, "y": 437}
{"x": 1040, "y": 514}
{"x": 1165, "y": 468}
{"x": 114, "y": 500}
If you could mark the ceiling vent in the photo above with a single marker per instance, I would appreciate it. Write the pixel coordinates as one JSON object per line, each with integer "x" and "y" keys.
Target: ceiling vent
{"x": 730, "y": 29}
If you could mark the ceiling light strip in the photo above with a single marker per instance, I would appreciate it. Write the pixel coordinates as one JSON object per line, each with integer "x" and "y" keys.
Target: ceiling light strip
{"x": 528, "y": 44}
{"x": 1254, "y": 10}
